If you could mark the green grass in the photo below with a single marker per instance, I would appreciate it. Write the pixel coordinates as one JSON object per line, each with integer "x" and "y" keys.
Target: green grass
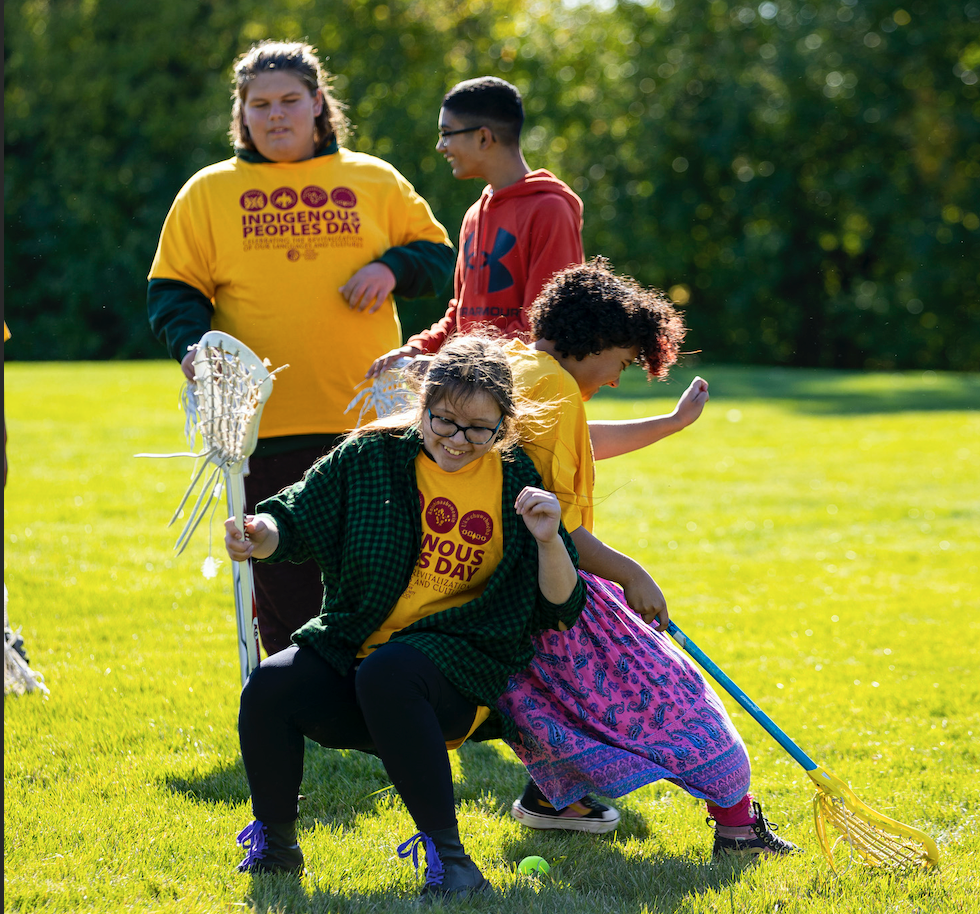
{"x": 814, "y": 532}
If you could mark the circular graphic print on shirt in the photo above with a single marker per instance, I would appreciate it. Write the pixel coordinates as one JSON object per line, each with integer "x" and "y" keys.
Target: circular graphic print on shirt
{"x": 314, "y": 196}
{"x": 284, "y": 198}
{"x": 253, "y": 200}
{"x": 476, "y": 527}
{"x": 343, "y": 197}
{"x": 441, "y": 515}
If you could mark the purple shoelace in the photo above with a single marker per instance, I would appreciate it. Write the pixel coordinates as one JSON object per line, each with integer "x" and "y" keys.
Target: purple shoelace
{"x": 434, "y": 870}
{"x": 252, "y": 838}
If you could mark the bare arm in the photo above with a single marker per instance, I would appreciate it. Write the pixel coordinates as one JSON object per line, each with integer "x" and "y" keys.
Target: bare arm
{"x": 643, "y": 595}
{"x": 541, "y": 512}
{"x": 612, "y": 438}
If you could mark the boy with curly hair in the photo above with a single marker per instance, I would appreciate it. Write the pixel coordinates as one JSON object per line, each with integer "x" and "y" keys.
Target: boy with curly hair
{"x": 612, "y": 704}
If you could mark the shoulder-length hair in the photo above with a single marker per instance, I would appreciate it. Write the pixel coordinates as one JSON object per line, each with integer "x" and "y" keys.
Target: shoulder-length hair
{"x": 301, "y": 61}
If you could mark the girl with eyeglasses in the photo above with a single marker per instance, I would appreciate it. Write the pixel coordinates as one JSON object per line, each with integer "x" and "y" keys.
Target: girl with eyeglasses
{"x": 441, "y": 559}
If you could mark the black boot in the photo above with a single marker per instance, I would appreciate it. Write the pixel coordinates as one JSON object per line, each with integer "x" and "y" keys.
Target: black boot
{"x": 271, "y": 848}
{"x": 449, "y": 870}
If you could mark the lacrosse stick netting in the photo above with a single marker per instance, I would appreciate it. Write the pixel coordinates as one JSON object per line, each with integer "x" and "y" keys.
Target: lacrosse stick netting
{"x": 231, "y": 385}
{"x": 875, "y": 839}
{"x": 223, "y": 405}
{"x": 386, "y": 394}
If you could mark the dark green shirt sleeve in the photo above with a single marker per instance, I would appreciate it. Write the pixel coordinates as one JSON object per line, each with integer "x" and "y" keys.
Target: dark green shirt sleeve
{"x": 179, "y": 314}
{"x": 311, "y": 515}
{"x": 421, "y": 268}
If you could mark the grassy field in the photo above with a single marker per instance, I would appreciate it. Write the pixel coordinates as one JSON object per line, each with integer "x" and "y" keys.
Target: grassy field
{"x": 814, "y": 532}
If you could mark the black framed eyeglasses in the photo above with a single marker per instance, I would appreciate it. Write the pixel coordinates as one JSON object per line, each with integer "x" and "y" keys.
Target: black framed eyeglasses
{"x": 475, "y": 434}
{"x": 445, "y": 134}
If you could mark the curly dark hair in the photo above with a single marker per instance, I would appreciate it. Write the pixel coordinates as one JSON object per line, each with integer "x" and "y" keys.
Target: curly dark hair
{"x": 587, "y": 309}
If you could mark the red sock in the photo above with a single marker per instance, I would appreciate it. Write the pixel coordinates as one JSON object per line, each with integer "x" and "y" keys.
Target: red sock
{"x": 733, "y": 816}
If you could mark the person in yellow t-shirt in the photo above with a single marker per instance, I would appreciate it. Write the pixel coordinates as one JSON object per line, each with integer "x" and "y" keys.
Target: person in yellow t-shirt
{"x": 294, "y": 246}
{"x": 630, "y": 701}
{"x": 442, "y": 558}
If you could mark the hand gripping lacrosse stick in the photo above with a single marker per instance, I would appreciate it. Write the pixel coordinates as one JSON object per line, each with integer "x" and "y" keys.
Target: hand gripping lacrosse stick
{"x": 231, "y": 385}
{"x": 877, "y": 840}
{"x": 224, "y": 404}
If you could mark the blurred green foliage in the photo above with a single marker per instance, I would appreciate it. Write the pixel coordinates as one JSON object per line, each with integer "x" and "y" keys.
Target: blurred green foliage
{"x": 801, "y": 176}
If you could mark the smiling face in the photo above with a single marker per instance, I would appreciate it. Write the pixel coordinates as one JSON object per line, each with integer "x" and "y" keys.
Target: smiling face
{"x": 461, "y": 150}
{"x": 600, "y": 370}
{"x": 453, "y": 452}
{"x": 279, "y": 112}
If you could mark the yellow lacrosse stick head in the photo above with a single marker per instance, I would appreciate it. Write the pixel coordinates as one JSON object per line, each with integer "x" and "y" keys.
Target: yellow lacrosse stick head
{"x": 875, "y": 838}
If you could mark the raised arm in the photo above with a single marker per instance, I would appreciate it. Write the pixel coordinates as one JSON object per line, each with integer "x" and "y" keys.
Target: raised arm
{"x": 542, "y": 516}
{"x": 612, "y": 438}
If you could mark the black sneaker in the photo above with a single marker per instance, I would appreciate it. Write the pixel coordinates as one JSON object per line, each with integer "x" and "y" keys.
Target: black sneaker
{"x": 753, "y": 840}
{"x": 449, "y": 871}
{"x": 270, "y": 848}
{"x": 587, "y": 814}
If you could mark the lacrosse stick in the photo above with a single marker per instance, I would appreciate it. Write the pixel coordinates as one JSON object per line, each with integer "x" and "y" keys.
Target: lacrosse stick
{"x": 224, "y": 404}
{"x": 878, "y": 840}
{"x": 386, "y": 394}
{"x": 231, "y": 385}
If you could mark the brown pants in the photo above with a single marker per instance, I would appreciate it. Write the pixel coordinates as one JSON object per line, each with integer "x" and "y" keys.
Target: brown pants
{"x": 287, "y": 595}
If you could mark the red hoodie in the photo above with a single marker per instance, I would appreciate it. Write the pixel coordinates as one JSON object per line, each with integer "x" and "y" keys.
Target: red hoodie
{"x": 510, "y": 244}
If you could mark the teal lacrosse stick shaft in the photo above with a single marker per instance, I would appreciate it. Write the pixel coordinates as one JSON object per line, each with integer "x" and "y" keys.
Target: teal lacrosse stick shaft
{"x": 757, "y": 713}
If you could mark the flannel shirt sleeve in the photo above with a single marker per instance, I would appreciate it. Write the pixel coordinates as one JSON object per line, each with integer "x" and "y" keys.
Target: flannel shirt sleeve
{"x": 310, "y": 514}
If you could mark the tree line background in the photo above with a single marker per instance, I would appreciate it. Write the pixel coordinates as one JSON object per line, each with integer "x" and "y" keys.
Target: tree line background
{"x": 802, "y": 177}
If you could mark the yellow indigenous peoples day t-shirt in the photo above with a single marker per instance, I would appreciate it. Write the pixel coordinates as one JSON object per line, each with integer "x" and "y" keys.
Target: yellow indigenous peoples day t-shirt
{"x": 462, "y": 544}
{"x": 271, "y": 244}
{"x": 557, "y": 440}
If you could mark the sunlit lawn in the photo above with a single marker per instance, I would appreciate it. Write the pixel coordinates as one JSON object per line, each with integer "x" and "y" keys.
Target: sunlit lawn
{"x": 815, "y": 533}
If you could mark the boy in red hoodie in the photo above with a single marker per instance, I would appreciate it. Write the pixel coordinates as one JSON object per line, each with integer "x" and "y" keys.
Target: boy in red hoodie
{"x": 526, "y": 226}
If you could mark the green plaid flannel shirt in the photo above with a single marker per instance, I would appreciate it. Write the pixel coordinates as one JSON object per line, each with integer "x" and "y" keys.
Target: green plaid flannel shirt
{"x": 356, "y": 513}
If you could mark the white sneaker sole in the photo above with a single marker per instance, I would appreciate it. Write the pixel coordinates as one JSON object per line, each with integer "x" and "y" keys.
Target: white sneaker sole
{"x": 568, "y": 823}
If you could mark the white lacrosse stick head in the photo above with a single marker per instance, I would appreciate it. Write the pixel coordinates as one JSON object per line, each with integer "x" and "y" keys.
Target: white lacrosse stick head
{"x": 386, "y": 394}
{"x": 231, "y": 384}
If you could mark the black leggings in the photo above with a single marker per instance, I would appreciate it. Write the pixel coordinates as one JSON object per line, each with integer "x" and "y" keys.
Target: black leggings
{"x": 395, "y": 704}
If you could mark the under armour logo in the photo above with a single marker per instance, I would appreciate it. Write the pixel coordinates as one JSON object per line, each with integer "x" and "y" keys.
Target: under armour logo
{"x": 500, "y": 277}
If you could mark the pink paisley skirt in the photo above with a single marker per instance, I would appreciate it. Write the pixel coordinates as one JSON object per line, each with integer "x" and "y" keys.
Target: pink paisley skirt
{"x": 612, "y": 705}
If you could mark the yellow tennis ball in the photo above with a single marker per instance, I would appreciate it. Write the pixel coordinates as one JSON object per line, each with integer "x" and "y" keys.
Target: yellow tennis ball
{"x": 534, "y": 866}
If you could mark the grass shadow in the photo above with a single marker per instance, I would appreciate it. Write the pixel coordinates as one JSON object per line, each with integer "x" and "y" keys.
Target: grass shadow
{"x": 224, "y": 784}
{"x": 658, "y": 883}
{"x": 489, "y": 766}
{"x": 814, "y": 391}
{"x": 488, "y": 771}
{"x": 628, "y": 882}
{"x": 338, "y": 784}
